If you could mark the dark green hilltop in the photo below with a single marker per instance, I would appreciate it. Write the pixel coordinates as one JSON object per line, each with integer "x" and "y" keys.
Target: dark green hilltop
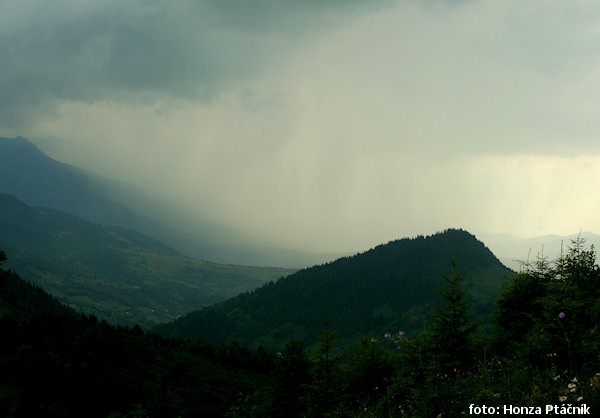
{"x": 388, "y": 289}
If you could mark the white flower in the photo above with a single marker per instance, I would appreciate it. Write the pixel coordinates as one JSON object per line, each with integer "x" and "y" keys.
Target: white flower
{"x": 580, "y": 398}
{"x": 562, "y": 398}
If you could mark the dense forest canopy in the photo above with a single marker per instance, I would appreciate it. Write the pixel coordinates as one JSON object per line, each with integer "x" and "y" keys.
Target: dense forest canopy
{"x": 57, "y": 363}
{"x": 542, "y": 350}
{"x": 389, "y": 288}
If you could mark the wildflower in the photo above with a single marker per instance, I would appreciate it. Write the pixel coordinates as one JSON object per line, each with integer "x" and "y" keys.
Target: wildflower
{"x": 557, "y": 377}
{"x": 572, "y": 385}
{"x": 580, "y": 398}
{"x": 562, "y": 398}
{"x": 561, "y": 315}
{"x": 574, "y": 380}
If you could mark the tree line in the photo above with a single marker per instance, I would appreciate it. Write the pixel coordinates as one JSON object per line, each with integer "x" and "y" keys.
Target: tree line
{"x": 540, "y": 347}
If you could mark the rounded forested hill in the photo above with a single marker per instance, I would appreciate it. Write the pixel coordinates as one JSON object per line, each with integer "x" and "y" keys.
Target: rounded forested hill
{"x": 387, "y": 289}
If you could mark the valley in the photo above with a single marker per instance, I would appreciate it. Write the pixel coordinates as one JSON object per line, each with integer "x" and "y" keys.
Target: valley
{"x": 120, "y": 275}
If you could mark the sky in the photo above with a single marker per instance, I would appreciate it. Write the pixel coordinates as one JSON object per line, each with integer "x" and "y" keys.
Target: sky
{"x": 321, "y": 126}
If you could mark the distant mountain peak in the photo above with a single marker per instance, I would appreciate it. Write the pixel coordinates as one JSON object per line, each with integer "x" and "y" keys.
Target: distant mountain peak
{"x": 17, "y": 140}
{"x": 19, "y": 143}
{"x": 37, "y": 179}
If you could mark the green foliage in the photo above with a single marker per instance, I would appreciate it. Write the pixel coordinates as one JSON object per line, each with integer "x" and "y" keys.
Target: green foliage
{"x": 368, "y": 372}
{"x": 55, "y": 363}
{"x": 323, "y": 391}
{"x": 388, "y": 288}
{"x": 450, "y": 336}
{"x": 291, "y": 381}
{"x": 21, "y": 301}
{"x": 544, "y": 349}
{"x": 553, "y": 309}
{"x": 435, "y": 361}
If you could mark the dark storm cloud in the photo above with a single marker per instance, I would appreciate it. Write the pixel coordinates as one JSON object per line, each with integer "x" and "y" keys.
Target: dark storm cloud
{"x": 136, "y": 51}
{"x": 337, "y": 124}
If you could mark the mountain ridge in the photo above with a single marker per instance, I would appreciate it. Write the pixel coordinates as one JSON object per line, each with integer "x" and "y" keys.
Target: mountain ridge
{"x": 39, "y": 180}
{"x": 390, "y": 287}
{"x": 120, "y": 275}
{"x": 514, "y": 251}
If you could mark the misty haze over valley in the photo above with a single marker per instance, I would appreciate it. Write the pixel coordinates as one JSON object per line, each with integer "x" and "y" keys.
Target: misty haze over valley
{"x": 39, "y": 180}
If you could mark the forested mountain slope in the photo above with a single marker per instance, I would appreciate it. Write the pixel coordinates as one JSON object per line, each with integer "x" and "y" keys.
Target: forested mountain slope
{"x": 387, "y": 289}
{"x": 56, "y": 363}
{"x": 39, "y": 180}
{"x": 120, "y": 275}
{"x": 543, "y": 341}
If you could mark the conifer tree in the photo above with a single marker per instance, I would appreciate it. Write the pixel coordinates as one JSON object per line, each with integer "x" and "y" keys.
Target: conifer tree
{"x": 324, "y": 390}
{"x": 369, "y": 370}
{"x": 553, "y": 310}
{"x": 291, "y": 379}
{"x": 450, "y": 336}
{"x": 445, "y": 351}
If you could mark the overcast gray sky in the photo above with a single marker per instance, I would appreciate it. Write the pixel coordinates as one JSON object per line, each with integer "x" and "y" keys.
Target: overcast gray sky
{"x": 328, "y": 126}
